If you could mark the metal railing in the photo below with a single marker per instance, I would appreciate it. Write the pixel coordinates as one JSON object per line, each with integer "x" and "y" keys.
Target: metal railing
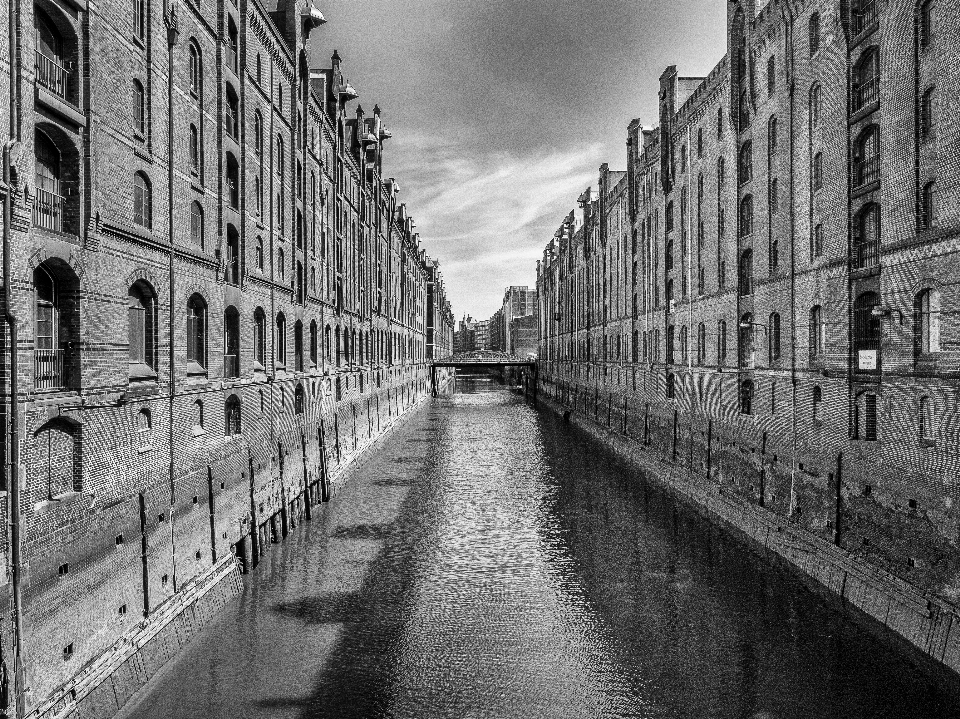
{"x": 48, "y": 369}
{"x": 866, "y": 93}
{"x": 48, "y": 210}
{"x": 52, "y": 75}
{"x": 864, "y": 15}
{"x": 866, "y": 253}
{"x": 866, "y": 171}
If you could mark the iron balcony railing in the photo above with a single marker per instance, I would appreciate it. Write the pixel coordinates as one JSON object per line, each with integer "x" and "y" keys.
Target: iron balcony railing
{"x": 866, "y": 171}
{"x": 48, "y": 210}
{"x": 48, "y": 369}
{"x": 52, "y": 75}
{"x": 231, "y": 366}
{"x": 866, "y": 254}
{"x": 866, "y": 93}
{"x": 864, "y": 16}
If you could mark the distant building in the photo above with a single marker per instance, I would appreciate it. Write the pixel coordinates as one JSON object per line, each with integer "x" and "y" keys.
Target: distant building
{"x": 523, "y": 335}
{"x": 482, "y": 334}
{"x": 464, "y": 339}
{"x": 517, "y": 302}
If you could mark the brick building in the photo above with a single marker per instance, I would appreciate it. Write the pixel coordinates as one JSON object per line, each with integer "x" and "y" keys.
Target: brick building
{"x": 768, "y": 284}
{"x": 205, "y": 264}
{"x": 517, "y": 302}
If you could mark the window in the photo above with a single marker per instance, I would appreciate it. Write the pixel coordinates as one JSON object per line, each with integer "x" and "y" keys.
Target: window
{"x": 926, "y": 422}
{"x": 746, "y": 273}
{"x": 671, "y": 388}
{"x": 928, "y": 208}
{"x": 684, "y": 345}
{"x": 866, "y": 79}
{"x": 668, "y": 217}
{"x": 772, "y": 136}
{"x": 746, "y": 396}
{"x": 721, "y": 343}
{"x": 816, "y": 405}
{"x": 298, "y": 399}
{"x": 813, "y": 30}
{"x": 867, "y": 329}
{"x": 260, "y": 337}
{"x": 197, "y": 331}
{"x": 926, "y": 322}
{"x": 314, "y": 342}
{"x": 815, "y": 105}
{"x": 196, "y": 71}
{"x": 232, "y": 55}
{"x": 281, "y": 341}
{"x": 818, "y": 239}
{"x": 671, "y": 331}
{"x": 720, "y": 123}
{"x": 52, "y": 459}
{"x": 231, "y": 116}
{"x": 699, "y": 142}
{"x": 866, "y": 236}
{"x": 232, "y": 262}
{"x": 298, "y": 346}
{"x": 773, "y": 329}
{"x": 142, "y": 201}
{"x": 196, "y": 224}
{"x": 232, "y": 426}
{"x": 863, "y": 15}
{"x": 668, "y": 255}
{"x": 258, "y": 195}
{"x": 141, "y": 328}
{"x": 55, "y": 314}
{"x": 817, "y": 332}
{"x": 866, "y": 417}
{"x": 926, "y": 112}
{"x": 774, "y": 197}
{"x": 50, "y": 202}
{"x": 745, "y": 336}
{"x": 746, "y": 216}
{"x": 280, "y": 156}
{"x": 194, "y": 151}
{"x": 721, "y": 172}
{"x": 198, "y": 416}
{"x": 259, "y": 69}
{"x": 866, "y": 157}
{"x": 233, "y": 181}
{"x": 281, "y": 265}
{"x": 746, "y": 162}
{"x": 140, "y": 20}
{"x": 817, "y": 180}
{"x": 927, "y": 23}
{"x": 771, "y": 76}
{"x": 701, "y": 344}
{"x": 139, "y": 110}
{"x": 259, "y": 254}
{"x": 231, "y": 342}
{"x": 258, "y": 133}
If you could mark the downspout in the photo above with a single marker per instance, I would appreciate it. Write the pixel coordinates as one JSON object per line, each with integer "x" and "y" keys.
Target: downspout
{"x": 13, "y": 473}
{"x": 788, "y": 18}
{"x": 173, "y": 32}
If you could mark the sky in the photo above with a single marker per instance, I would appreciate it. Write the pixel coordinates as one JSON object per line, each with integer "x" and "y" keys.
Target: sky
{"x": 502, "y": 112}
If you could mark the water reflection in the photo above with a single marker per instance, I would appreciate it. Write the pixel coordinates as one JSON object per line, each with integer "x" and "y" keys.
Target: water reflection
{"x": 490, "y": 562}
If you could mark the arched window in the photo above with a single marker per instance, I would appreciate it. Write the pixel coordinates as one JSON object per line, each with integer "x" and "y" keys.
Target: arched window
{"x": 817, "y": 173}
{"x": 817, "y": 332}
{"x": 863, "y": 13}
{"x": 699, "y": 142}
{"x": 260, "y": 337}
{"x": 233, "y": 60}
{"x": 721, "y": 343}
{"x": 232, "y": 426}
{"x": 668, "y": 217}
{"x": 144, "y": 421}
{"x": 927, "y": 22}
{"x": 280, "y": 156}
{"x": 773, "y": 329}
{"x": 671, "y": 389}
{"x": 281, "y": 341}
{"x": 866, "y": 157}
{"x": 298, "y": 399}
{"x": 314, "y": 342}
{"x": 816, "y": 405}
{"x": 813, "y": 30}
{"x": 139, "y": 110}
{"x": 866, "y": 417}
{"x": 926, "y": 421}
{"x": 141, "y": 329}
{"x": 198, "y": 416}
{"x": 51, "y": 65}
{"x": 233, "y": 181}
{"x": 258, "y": 133}
{"x": 48, "y": 209}
{"x": 928, "y": 207}
{"x": 926, "y": 112}
{"x": 196, "y": 69}
{"x": 746, "y": 348}
{"x": 52, "y": 460}
{"x": 867, "y": 332}
{"x": 55, "y": 314}
{"x": 197, "y": 331}
{"x": 668, "y": 255}
{"x": 339, "y": 346}
{"x": 772, "y": 136}
{"x": 746, "y": 273}
{"x": 231, "y": 117}
{"x": 701, "y": 344}
{"x": 746, "y": 162}
{"x": 298, "y": 346}
{"x": 746, "y": 216}
{"x": 866, "y": 79}
{"x": 684, "y": 345}
{"x": 746, "y": 396}
{"x": 232, "y": 263}
{"x": 313, "y": 280}
{"x": 281, "y": 265}
{"x": 866, "y": 236}
{"x": 771, "y": 75}
{"x": 327, "y": 345}
{"x": 142, "y": 201}
{"x": 196, "y": 224}
{"x": 774, "y": 201}
{"x": 231, "y": 342}
{"x": 259, "y": 254}
{"x": 926, "y": 322}
{"x": 719, "y": 123}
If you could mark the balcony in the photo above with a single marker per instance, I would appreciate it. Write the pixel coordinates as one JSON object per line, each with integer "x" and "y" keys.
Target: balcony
{"x": 231, "y": 366}
{"x": 52, "y": 75}
{"x": 866, "y": 254}
{"x": 864, "y": 16}
{"x": 866, "y": 171}
{"x": 48, "y": 369}
{"x": 48, "y": 210}
{"x": 866, "y": 93}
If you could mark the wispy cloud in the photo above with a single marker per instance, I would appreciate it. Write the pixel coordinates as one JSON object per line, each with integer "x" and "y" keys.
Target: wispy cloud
{"x": 488, "y": 215}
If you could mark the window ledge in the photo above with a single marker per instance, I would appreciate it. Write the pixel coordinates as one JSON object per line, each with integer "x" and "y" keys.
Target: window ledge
{"x": 143, "y": 449}
{"x": 142, "y": 372}
{"x": 198, "y": 431}
{"x": 195, "y": 369}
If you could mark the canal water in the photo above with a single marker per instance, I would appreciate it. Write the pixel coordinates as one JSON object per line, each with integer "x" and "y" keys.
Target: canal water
{"x": 488, "y": 561}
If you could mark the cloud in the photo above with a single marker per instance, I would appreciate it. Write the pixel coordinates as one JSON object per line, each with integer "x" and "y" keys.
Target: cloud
{"x": 487, "y": 216}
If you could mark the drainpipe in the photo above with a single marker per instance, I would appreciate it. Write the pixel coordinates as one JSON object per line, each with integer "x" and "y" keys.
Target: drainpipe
{"x": 173, "y": 32}
{"x": 13, "y": 473}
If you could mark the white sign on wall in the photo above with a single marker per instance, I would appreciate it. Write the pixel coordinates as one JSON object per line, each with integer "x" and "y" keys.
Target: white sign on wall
{"x": 867, "y": 360}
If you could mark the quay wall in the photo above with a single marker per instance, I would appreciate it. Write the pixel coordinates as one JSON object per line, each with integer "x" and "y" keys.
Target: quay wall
{"x": 225, "y": 517}
{"x": 744, "y": 483}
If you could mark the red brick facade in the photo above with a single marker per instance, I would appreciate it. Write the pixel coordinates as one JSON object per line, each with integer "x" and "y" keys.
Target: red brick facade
{"x": 218, "y": 299}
